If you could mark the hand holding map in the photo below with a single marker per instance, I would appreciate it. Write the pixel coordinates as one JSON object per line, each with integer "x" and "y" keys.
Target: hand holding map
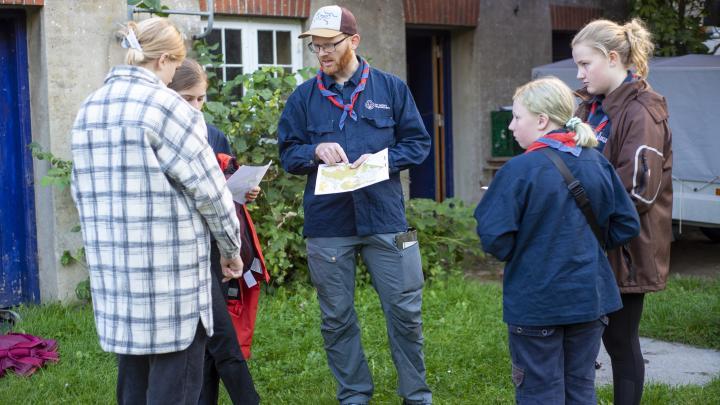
{"x": 340, "y": 178}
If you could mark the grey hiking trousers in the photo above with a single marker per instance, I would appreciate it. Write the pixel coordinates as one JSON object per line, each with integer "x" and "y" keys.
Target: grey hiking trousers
{"x": 398, "y": 279}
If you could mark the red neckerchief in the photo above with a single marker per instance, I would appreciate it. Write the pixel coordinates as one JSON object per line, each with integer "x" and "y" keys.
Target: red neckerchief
{"x": 566, "y": 138}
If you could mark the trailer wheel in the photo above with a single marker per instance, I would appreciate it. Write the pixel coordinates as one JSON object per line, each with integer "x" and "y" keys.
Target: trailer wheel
{"x": 712, "y": 233}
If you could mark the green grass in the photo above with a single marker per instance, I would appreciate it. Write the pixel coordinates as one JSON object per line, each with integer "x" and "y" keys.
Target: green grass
{"x": 465, "y": 348}
{"x": 688, "y": 311}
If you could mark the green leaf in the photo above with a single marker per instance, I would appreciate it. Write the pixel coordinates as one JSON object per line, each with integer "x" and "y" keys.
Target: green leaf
{"x": 266, "y": 94}
{"x": 259, "y": 77}
{"x": 290, "y": 80}
{"x": 66, "y": 259}
{"x": 160, "y": 13}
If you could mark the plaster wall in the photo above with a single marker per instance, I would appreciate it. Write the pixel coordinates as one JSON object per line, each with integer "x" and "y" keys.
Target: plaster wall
{"x": 488, "y": 63}
{"x": 71, "y": 48}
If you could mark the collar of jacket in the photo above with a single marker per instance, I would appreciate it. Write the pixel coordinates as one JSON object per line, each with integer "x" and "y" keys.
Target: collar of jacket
{"x": 130, "y": 72}
{"x": 615, "y": 102}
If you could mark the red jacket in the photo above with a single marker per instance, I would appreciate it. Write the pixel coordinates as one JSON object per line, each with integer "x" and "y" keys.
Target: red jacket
{"x": 243, "y": 311}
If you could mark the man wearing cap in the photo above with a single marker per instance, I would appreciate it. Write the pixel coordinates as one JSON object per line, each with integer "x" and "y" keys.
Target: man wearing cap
{"x": 348, "y": 111}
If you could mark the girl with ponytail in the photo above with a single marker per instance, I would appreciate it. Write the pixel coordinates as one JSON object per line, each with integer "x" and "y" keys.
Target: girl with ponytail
{"x": 557, "y": 285}
{"x": 630, "y": 121}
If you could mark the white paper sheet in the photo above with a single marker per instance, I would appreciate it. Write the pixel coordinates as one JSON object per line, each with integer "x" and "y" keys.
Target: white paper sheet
{"x": 245, "y": 178}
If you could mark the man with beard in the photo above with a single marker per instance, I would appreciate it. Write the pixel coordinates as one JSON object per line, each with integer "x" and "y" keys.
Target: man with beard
{"x": 344, "y": 114}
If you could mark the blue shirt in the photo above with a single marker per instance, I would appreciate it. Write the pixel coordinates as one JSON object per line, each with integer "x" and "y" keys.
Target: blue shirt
{"x": 556, "y": 271}
{"x": 387, "y": 118}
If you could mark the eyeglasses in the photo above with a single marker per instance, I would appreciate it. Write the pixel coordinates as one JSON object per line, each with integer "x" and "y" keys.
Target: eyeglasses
{"x": 329, "y": 48}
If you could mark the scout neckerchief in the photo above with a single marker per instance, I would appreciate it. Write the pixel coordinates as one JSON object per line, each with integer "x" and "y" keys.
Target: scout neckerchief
{"x": 598, "y": 119}
{"x": 337, "y": 99}
{"x": 559, "y": 139}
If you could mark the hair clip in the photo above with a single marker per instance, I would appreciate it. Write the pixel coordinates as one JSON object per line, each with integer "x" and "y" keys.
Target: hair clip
{"x": 131, "y": 41}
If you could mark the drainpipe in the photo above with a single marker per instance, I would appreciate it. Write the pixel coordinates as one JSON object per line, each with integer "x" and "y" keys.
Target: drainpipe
{"x": 210, "y": 14}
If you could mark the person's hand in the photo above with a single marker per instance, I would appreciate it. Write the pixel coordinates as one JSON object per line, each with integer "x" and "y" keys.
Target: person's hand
{"x": 231, "y": 268}
{"x": 330, "y": 153}
{"x": 251, "y": 195}
{"x": 360, "y": 161}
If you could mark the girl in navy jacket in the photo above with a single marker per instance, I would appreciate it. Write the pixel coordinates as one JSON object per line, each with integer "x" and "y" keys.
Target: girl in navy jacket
{"x": 225, "y": 358}
{"x": 557, "y": 284}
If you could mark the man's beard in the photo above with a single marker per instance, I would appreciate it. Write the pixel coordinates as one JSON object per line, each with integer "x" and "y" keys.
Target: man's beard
{"x": 340, "y": 66}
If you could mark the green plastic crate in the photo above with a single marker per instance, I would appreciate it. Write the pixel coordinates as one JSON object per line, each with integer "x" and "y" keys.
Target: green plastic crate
{"x": 503, "y": 142}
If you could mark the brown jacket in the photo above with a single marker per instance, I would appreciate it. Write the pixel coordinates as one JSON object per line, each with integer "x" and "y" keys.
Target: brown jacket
{"x": 640, "y": 149}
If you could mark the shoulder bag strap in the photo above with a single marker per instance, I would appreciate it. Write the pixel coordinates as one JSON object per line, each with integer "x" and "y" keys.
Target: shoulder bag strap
{"x": 577, "y": 191}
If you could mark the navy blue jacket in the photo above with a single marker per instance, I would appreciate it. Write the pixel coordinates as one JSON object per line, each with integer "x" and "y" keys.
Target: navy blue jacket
{"x": 556, "y": 271}
{"x": 387, "y": 118}
{"x": 217, "y": 140}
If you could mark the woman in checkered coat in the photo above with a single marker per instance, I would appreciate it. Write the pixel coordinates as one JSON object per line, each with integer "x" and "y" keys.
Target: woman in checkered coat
{"x": 149, "y": 194}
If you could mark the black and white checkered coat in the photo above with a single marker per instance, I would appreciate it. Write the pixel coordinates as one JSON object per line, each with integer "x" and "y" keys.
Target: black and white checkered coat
{"x": 148, "y": 188}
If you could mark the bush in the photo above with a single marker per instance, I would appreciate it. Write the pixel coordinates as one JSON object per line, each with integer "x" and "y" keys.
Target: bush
{"x": 446, "y": 232}
{"x": 250, "y": 122}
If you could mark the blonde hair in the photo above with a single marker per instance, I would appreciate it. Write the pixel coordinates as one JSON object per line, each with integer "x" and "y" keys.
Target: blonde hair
{"x": 156, "y": 37}
{"x": 550, "y": 96}
{"x": 188, "y": 75}
{"x": 631, "y": 41}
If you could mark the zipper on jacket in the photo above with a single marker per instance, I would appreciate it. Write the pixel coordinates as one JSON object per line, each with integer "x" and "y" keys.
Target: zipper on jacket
{"x": 632, "y": 276}
{"x": 642, "y": 181}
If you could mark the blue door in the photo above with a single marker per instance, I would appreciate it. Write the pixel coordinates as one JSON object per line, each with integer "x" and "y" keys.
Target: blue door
{"x": 428, "y": 76}
{"x": 18, "y": 252}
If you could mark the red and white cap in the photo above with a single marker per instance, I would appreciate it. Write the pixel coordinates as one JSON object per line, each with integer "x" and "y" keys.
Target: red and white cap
{"x": 331, "y": 21}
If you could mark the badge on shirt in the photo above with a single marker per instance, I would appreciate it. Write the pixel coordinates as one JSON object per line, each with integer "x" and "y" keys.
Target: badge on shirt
{"x": 371, "y": 105}
{"x": 255, "y": 266}
{"x": 249, "y": 279}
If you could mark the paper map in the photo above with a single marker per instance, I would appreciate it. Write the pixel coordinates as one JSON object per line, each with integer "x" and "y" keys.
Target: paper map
{"x": 341, "y": 178}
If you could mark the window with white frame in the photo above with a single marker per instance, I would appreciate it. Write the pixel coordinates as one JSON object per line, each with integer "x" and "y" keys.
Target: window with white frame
{"x": 248, "y": 45}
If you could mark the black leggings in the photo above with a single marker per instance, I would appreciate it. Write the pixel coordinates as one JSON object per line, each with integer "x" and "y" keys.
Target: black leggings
{"x": 622, "y": 342}
{"x": 223, "y": 357}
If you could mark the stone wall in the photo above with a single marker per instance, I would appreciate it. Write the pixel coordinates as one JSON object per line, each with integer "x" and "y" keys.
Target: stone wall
{"x": 71, "y": 47}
